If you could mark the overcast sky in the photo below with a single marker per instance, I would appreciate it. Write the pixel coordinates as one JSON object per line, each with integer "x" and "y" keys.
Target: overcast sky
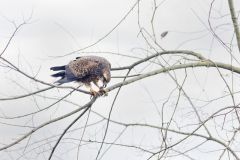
{"x": 56, "y": 28}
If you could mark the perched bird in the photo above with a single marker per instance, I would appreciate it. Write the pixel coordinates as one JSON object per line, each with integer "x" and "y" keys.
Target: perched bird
{"x": 89, "y": 70}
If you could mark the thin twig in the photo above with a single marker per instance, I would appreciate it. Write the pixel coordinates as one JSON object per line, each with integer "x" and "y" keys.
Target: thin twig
{"x": 66, "y": 129}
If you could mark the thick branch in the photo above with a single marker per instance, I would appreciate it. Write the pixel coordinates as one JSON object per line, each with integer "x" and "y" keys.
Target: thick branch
{"x": 235, "y": 22}
{"x": 206, "y": 63}
{"x": 186, "y": 52}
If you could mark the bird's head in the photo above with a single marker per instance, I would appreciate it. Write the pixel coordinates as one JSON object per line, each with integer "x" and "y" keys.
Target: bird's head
{"x": 106, "y": 78}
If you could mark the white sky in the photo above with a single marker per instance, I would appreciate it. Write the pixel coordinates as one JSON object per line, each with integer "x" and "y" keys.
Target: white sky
{"x": 60, "y": 27}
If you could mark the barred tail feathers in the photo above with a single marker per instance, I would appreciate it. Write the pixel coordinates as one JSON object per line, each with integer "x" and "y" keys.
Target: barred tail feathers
{"x": 58, "y": 68}
{"x": 64, "y": 74}
{"x": 63, "y": 77}
{"x": 59, "y": 74}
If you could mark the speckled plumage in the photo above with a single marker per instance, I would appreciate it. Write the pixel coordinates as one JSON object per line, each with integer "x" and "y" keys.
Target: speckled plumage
{"x": 85, "y": 69}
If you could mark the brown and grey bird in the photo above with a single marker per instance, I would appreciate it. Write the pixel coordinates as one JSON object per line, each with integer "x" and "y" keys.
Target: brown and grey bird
{"x": 86, "y": 70}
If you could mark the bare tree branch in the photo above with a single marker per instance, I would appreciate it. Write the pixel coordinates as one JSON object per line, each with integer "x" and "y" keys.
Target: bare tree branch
{"x": 235, "y": 22}
{"x": 89, "y": 104}
{"x": 206, "y": 63}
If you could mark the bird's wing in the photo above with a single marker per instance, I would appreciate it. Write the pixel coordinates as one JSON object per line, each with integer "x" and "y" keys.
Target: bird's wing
{"x": 83, "y": 66}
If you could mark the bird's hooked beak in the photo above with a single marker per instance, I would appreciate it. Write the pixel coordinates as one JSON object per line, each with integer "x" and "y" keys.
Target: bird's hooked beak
{"x": 106, "y": 79}
{"x": 104, "y": 84}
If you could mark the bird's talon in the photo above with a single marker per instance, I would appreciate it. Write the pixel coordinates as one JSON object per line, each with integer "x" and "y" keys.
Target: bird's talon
{"x": 103, "y": 92}
{"x": 91, "y": 97}
{"x": 93, "y": 93}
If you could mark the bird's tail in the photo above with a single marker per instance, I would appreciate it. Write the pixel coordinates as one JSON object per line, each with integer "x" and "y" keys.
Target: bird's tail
{"x": 58, "y": 68}
{"x": 63, "y": 73}
{"x": 63, "y": 77}
{"x": 59, "y": 74}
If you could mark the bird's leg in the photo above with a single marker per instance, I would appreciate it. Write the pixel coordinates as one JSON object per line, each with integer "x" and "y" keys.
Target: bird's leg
{"x": 102, "y": 91}
{"x": 92, "y": 91}
{"x": 96, "y": 84}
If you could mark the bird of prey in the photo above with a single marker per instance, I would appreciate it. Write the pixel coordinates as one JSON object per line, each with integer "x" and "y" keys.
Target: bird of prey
{"x": 88, "y": 70}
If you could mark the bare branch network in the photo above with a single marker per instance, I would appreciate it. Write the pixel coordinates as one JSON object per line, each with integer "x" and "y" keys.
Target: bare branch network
{"x": 177, "y": 103}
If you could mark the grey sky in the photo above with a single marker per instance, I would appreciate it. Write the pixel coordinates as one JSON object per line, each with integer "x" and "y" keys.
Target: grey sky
{"x": 59, "y": 27}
